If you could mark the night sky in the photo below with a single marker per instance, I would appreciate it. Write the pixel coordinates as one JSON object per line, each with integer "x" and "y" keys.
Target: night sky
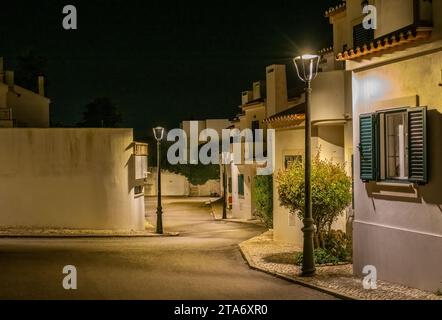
{"x": 160, "y": 61}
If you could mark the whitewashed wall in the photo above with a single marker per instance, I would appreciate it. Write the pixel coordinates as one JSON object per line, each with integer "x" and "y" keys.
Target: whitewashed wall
{"x": 330, "y": 140}
{"x": 399, "y": 229}
{"x": 176, "y": 185}
{"x": 68, "y": 178}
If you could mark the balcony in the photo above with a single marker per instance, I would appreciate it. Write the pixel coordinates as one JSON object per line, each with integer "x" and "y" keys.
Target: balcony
{"x": 141, "y": 149}
{"x": 6, "y": 120}
{"x": 6, "y": 114}
{"x": 140, "y": 152}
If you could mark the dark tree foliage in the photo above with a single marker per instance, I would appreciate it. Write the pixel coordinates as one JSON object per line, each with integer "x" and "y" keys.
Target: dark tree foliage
{"x": 29, "y": 67}
{"x": 197, "y": 174}
{"x": 263, "y": 198}
{"x": 101, "y": 113}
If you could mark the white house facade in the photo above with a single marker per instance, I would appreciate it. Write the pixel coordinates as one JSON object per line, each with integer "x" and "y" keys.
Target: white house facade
{"x": 397, "y": 104}
{"x": 20, "y": 107}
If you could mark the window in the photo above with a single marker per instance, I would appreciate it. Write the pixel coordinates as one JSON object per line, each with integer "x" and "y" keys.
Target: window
{"x": 393, "y": 145}
{"x": 255, "y": 126}
{"x": 362, "y": 36}
{"x": 139, "y": 190}
{"x": 289, "y": 160}
{"x": 241, "y": 185}
{"x": 396, "y": 145}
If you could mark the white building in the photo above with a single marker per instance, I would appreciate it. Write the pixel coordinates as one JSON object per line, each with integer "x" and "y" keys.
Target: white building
{"x": 72, "y": 179}
{"x": 65, "y": 178}
{"x": 331, "y": 135}
{"x": 396, "y": 75}
{"x": 240, "y": 177}
{"x": 20, "y": 107}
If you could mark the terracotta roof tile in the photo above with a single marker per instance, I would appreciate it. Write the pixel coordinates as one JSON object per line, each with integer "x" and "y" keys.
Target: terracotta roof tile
{"x": 389, "y": 42}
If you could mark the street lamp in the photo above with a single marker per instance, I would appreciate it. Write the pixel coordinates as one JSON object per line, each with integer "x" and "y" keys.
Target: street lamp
{"x": 225, "y": 160}
{"x": 307, "y": 70}
{"x": 159, "y": 135}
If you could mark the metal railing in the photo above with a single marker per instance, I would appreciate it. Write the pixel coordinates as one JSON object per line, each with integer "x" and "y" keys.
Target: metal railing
{"x": 6, "y": 114}
{"x": 141, "y": 149}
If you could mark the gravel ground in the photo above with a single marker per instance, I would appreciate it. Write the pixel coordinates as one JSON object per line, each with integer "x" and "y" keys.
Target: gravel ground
{"x": 277, "y": 258}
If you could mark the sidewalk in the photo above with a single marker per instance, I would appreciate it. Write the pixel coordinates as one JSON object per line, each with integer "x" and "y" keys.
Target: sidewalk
{"x": 6, "y": 232}
{"x": 217, "y": 213}
{"x": 264, "y": 254}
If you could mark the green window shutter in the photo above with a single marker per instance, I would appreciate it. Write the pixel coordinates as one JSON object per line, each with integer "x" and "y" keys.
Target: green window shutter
{"x": 241, "y": 184}
{"x": 367, "y": 147}
{"x": 417, "y": 145}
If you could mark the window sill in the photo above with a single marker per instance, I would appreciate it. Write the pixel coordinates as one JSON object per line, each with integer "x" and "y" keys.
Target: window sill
{"x": 394, "y": 190}
{"x": 398, "y": 183}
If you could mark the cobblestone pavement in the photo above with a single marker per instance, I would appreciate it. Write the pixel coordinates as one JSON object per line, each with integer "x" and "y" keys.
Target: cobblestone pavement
{"x": 276, "y": 258}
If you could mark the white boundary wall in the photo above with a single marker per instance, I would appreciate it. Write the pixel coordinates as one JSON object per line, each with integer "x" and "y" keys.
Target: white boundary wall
{"x": 68, "y": 178}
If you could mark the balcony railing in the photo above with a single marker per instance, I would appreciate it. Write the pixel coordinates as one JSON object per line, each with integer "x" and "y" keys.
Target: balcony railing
{"x": 141, "y": 149}
{"x": 6, "y": 114}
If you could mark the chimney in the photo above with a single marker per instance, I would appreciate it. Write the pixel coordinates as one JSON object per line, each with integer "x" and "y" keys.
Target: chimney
{"x": 10, "y": 78}
{"x": 258, "y": 90}
{"x": 2, "y": 75}
{"x": 276, "y": 84}
{"x": 246, "y": 97}
{"x": 41, "y": 85}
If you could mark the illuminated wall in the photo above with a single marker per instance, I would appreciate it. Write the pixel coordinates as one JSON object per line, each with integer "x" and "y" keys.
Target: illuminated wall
{"x": 398, "y": 227}
{"x": 68, "y": 178}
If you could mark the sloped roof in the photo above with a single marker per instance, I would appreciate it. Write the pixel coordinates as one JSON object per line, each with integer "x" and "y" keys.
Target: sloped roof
{"x": 336, "y": 9}
{"x": 394, "y": 41}
{"x": 291, "y": 116}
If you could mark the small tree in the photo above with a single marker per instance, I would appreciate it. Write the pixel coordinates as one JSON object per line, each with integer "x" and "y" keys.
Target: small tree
{"x": 101, "y": 113}
{"x": 30, "y": 65}
{"x": 263, "y": 198}
{"x": 330, "y": 193}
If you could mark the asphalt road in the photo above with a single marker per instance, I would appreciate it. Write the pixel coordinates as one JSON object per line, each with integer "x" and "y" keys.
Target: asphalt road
{"x": 203, "y": 263}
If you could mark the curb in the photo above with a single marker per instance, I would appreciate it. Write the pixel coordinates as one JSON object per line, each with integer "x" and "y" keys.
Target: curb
{"x": 248, "y": 222}
{"x": 85, "y": 236}
{"x": 331, "y": 292}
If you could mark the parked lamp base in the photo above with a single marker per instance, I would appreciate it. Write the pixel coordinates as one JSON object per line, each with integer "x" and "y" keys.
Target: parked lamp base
{"x": 159, "y": 221}
{"x": 308, "y": 262}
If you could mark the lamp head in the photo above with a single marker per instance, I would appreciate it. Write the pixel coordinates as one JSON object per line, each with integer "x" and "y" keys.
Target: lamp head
{"x": 307, "y": 66}
{"x": 158, "y": 133}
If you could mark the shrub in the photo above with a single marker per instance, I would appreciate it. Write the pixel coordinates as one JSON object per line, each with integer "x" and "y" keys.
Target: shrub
{"x": 330, "y": 193}
{"x": 197, "y": 174}
{"x": 322, "y": 256}
{"x": 339, "y": 245}
{"x": 263, "y": 198}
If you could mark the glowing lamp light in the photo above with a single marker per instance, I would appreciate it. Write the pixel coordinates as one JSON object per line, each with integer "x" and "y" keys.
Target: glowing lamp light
{"x": 158, "y": 133}
{"x": 307, "y": 66}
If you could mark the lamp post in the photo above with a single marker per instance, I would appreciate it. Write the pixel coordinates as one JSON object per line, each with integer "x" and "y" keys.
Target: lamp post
{"x": 307, "y": 70}
{"x": 159, "y": 134}
{"x": 225, "y": 159}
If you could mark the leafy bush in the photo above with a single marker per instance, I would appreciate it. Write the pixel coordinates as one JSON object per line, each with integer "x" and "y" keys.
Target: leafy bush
{"x": 263, "y": 198}
{"x": 197, "y": 174}
{"x": 339, "y": 245}
{"x": 322, "y": 256}
{"x": 330, "y": 193}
